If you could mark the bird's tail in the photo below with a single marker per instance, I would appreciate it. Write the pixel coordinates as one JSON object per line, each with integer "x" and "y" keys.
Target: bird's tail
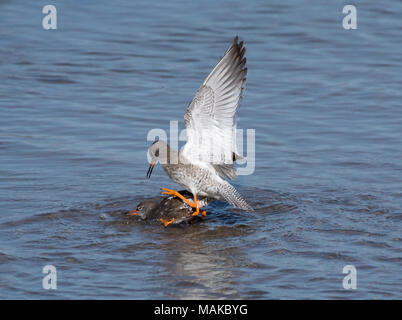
{"x": 231, "y": 195}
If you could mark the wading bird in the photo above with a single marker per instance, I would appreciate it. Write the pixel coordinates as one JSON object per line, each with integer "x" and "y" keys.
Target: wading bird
{"x": 204, "y": 162}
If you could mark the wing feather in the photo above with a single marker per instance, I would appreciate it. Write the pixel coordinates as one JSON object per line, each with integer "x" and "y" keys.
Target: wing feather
{"x": 211, "y": 116}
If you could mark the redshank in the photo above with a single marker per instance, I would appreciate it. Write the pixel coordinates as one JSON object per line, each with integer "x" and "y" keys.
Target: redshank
{"x": 206, "y": 160}
{"x": 169, "y": 209}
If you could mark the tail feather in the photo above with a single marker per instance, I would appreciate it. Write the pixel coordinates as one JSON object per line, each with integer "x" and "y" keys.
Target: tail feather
{"x": 231, "y": 195}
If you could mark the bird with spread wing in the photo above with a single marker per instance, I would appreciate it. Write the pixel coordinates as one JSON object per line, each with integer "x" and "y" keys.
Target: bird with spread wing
{"x": 207, "y": 158}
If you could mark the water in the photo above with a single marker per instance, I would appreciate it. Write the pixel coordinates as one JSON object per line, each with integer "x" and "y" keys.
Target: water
{"x": 76, "y": 105}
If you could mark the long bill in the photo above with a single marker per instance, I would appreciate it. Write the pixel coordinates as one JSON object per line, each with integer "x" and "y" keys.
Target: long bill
{"x": 151, "y": 167}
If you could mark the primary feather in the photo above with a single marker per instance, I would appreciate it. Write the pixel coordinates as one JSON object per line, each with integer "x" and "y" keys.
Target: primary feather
{"x": 211, "y": 117}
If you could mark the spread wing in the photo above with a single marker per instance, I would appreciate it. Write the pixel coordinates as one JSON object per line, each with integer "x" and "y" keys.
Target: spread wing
{"x": 211, "y": 117}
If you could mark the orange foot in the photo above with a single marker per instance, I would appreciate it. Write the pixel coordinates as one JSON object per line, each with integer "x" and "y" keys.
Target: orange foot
{"x": 166, "y": 222}
{"x": 191, "y": 204}
{"x": 197, "y": 211}
{"x": 176, "y": 194}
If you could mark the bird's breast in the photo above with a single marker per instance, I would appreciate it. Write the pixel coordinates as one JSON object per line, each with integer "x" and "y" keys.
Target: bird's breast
{"x": 193, "y": 178}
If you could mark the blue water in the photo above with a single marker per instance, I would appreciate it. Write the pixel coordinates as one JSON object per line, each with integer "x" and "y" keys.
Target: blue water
{"x": 77, "y": 103}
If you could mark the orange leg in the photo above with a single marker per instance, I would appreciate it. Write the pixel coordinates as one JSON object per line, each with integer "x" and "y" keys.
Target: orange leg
{"x": 166, "y": 222}
{"x": 176, "y": 194}
{"x": 193, "y": 205}
{"x": 197, "y": 208}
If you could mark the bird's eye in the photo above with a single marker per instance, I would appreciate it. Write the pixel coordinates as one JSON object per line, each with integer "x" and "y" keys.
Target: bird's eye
{"x": 157, "y": 153}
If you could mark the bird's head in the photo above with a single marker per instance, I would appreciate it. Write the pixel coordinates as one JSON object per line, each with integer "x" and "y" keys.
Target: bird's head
{"x": 157, "y": 152}
{"x": 144, "y": 209}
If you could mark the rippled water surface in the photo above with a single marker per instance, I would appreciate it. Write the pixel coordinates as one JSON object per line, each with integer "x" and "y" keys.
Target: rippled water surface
{"x": 77, "y": 103}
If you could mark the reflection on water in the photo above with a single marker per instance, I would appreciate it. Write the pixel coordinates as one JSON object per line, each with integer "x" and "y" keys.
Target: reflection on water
{"x": 201, "y": 273}
{"x": 76, "y": 105}
{"x": 280, "y": 250}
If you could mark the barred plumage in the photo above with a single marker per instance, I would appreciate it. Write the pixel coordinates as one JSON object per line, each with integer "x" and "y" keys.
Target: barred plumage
{"x": 207, "y": 158}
